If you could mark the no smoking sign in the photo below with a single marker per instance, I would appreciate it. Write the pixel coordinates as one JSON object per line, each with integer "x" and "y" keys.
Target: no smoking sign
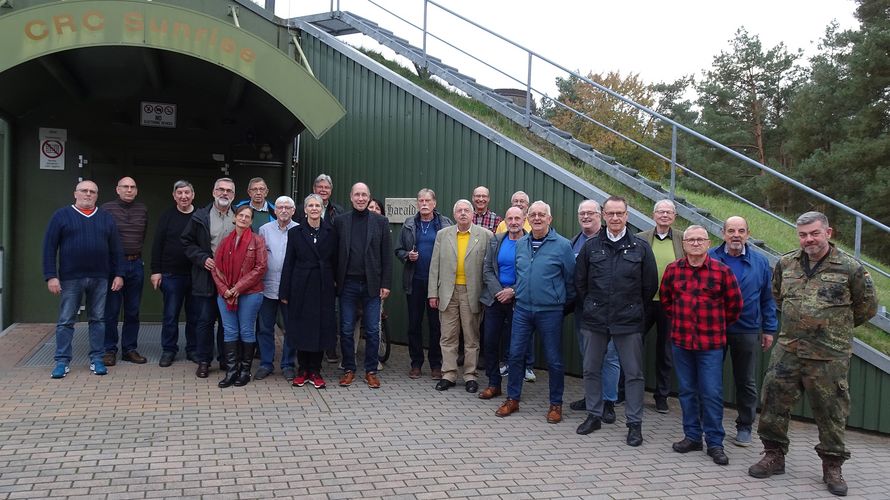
{"x": 158, "y": 114}
{"x": 52, "y": 148}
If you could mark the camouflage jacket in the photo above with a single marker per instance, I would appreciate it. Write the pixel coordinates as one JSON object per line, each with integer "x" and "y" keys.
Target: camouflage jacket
{"x": 819, "y": 312}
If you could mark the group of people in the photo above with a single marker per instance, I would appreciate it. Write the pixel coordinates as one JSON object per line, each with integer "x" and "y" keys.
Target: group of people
{"x": 243, "y": 265}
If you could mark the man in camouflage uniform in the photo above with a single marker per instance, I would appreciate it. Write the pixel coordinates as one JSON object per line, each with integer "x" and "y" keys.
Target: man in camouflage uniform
{"x": 822, "y": 294}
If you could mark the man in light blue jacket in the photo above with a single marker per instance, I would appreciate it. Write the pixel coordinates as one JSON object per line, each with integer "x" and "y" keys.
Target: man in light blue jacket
{"x": 545, "y": 267}
{"x": 756, "y": 327}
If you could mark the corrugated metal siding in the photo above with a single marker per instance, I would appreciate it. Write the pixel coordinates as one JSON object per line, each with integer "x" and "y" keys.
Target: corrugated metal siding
{"x": 397, "y": 143}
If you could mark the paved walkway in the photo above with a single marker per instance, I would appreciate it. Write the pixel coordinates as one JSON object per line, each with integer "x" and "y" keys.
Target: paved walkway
{"x": 143, "y": 431}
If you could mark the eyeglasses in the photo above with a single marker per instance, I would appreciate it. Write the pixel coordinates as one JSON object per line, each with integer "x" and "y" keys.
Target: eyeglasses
{"x": 284, "y": 208}
{"x": 696, "y": 241}
{"x": 127, "y": 186}
{"x": 610, "y": 215}
{"x": 258, "y": 189}
{"x": 588, "y": 214}
{"x": 664, "y": 212}
{"x": 533, "y": 215}
{"x": 224, "y": 190}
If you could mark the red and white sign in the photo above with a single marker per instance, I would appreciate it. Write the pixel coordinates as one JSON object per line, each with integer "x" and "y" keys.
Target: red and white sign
{"x": 157, "y": 114}
{"x": 52, "y": 148}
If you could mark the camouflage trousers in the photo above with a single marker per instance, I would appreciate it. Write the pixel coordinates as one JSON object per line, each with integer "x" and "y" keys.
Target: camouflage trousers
{"x": 825, "y": 382}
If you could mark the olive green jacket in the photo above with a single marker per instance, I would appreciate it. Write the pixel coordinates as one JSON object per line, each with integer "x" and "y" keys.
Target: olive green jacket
{"x": 819, "y": 312}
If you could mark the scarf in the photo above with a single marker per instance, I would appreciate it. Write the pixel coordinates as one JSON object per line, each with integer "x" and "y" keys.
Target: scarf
{"x": 230, "y": 259}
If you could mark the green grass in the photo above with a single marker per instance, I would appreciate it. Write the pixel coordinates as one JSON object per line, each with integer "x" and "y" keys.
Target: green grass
{"x": 776, "y": 234}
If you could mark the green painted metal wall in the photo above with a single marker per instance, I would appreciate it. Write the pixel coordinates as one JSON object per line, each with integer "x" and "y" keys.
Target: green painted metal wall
{"x": 398, "y": 143}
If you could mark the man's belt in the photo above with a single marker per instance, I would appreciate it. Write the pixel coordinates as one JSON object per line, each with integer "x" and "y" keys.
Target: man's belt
{"x": 134, "y": 256}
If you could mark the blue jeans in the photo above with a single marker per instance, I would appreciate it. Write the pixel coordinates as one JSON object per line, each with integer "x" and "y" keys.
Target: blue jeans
{"x": 130, "y": 296}
{"x": 95, "y": 290}
{"x": 240, "y": 324}
{"x": 177, "y": 289}
{"x": 700, "y": 377}
{"x": 352, "y": 293}
{"x": 549, "y": 326}
{"x": 265, "y": 336}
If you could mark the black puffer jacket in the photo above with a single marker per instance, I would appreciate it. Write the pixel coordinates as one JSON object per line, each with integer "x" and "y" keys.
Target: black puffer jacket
{"x": 196, "y": 240}
{"x": 615, "y": 282}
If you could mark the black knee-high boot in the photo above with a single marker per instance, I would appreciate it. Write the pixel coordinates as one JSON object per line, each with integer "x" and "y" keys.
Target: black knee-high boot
{"x": 247, "y": 350}
{"x": 232, "y": 357}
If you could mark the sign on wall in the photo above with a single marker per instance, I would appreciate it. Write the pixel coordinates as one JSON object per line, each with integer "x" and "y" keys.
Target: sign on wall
{"x": 398, "y": 210}
{"x": 52, "y": 148}
{"x": 158, "y": 114}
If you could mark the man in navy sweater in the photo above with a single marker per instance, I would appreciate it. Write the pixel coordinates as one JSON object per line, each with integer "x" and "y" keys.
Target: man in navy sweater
{"x": 89, "y": 250}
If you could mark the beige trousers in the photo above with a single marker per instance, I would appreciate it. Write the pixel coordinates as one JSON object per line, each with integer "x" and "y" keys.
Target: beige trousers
{"x": 455, "y": 317}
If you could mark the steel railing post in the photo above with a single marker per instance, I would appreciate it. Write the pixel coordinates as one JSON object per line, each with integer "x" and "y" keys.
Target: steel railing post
{"x": 857, "y": 247}
{"x": 425, "y": 7}
{"x": 673, "y": 160}
{"x": 528, "y": 93}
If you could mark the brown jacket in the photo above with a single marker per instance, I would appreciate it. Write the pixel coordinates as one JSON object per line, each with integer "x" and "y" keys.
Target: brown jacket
{"x": 676, "y": 239}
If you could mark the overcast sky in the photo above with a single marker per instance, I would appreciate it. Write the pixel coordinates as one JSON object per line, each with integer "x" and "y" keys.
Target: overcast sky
{"x": 660, "y": 40}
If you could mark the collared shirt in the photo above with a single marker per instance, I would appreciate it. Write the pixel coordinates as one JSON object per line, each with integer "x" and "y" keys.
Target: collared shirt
{"x": 488, "y": 219}
{"x": 700, "y": 302}
{"x": 220, "y": 226}
{"x": 276, "y": 246}
{"x": 616, "y": 237}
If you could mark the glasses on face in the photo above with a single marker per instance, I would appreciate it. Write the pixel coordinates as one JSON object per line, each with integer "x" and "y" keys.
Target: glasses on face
{"x": 535, "y": 215}
{"x": 610, "y": 215}
{"x": 127, "y": 186}
{"x": 87, "y": 191}
{"x": 258, "y": 190}
{"x": 664, "y": 212}
{"x": 696, "y": 241}
{"x": 282, "y": 209}
{"x": 224, "y": 190}
{"x": 588, "y": 214}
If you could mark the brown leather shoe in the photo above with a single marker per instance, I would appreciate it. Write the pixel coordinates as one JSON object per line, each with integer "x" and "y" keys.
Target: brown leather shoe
{"x": 133, "y": 357}
{"x": 507, "y": 407}
{"x": 436, "y": 374}
{"x": 490, "y": 392}
{"x": 346, "y": 379}
{"x": 109, "y": 358}
{"x": 372, "y": 380}
{"x": 554, "y": 415}
{"x": 414, "y": 373}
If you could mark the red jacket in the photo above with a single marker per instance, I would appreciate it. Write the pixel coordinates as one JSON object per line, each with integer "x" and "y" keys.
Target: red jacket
{"x": 252, "y": 269}
{"x": 700, "y": 303}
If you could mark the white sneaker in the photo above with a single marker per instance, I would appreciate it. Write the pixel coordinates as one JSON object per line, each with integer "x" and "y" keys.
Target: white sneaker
{"x": 530, "y": 375}
{"x": 505, "y": 369}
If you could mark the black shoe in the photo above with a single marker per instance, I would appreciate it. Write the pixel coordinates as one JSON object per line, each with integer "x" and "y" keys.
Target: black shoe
{"x": 608, "y": 412}
{"x": 579, "y": 405}
{"x": 661, "y": 405}
{"x": 687, "y": 445}
{"x": 203, "y": 370}
{"x": 444, "y": 385}
{"x": 167, "y": 359}
{"x": 263, "y": 372}
{"x": 591, "y": 424}
{"x": 634, "y": 434}
{"x": 472, "y": 386}
{"x": 718, "y": 455}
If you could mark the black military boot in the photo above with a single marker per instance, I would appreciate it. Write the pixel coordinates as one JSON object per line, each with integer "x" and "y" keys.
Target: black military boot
{"x": 231, "y": 355}
{"x": 772, "y": 463}
{"x": 247, "y": 350}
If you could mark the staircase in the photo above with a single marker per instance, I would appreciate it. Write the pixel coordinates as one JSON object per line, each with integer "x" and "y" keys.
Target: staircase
{"x": 339, "y": 23}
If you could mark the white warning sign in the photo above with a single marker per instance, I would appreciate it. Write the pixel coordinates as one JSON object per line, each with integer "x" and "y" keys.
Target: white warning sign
{"x": 52, "y": 148}
{"x": 158, "y": 114}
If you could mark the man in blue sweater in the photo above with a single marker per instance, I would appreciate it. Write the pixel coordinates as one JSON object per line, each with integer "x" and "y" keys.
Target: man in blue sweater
{"x": 89, "y": 250}
{"x": 756, "y": 327}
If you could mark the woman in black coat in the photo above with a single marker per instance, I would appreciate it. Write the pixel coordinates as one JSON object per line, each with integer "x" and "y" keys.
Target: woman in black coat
{"x": 308, "y": 289}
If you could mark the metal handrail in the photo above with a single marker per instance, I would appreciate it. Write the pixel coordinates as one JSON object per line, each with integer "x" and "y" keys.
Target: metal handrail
{"x": 675, "y": 126}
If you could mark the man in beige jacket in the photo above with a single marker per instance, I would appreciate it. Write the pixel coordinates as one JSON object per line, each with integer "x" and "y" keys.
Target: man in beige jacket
{"x": 455, "y": 285}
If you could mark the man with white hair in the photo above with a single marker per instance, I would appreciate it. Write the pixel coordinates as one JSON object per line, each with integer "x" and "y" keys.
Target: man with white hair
{"x": 545, "y": 267}
{"x": 667, "y": 248}
{"x": 455, "y": 284}
{"x": 275, "y": 235}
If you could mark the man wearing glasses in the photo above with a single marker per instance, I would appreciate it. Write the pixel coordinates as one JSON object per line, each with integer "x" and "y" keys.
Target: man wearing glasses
{"x": 701, "y": 297}
{"x": 616, "y": 278}
{"x": 263, "y": 211}
{"x": 275, "y": 235}
{"x": 202, "y": 235}
{"x": 667, "y": 247}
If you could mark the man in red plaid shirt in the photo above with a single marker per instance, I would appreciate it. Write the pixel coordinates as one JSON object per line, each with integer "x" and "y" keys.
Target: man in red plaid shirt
{"x": 700, "y": 297}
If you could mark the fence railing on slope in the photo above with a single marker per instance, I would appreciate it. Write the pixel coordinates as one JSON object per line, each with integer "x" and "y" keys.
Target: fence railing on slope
{"x": 532, "y": 90}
